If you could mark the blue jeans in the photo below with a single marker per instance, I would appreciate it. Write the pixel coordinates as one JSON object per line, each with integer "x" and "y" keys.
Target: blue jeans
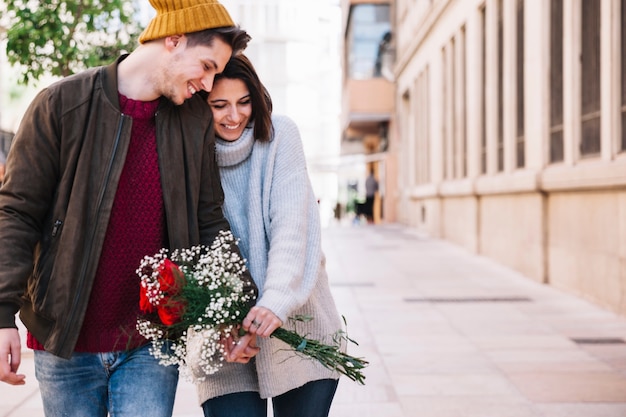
{"x": 310, "y": 400}
{"x": 122, "y": 384}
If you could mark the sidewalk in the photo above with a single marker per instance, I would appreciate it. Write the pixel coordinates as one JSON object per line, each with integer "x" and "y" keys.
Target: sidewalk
{"x": 447, "y": 334}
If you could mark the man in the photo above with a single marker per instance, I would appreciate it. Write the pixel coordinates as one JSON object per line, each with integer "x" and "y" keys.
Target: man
{"x": 108, "y": 166}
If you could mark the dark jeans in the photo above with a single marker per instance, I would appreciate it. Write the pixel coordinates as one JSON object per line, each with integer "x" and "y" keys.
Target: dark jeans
{"x": 310, "y": 400}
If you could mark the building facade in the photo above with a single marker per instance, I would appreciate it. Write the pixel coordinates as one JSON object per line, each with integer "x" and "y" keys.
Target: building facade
{"x": 367, "y": 104}
{"x": 295, "y": 50}
{"x": 511, "y": 135}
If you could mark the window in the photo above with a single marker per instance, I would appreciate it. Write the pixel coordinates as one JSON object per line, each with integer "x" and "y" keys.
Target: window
{"x": 451, "y": 108}
{"x": 590, "y": 78}
{"x": 500, "y": 87}
{"x": 454, "y": 137}
{"x": 368, "y": 38}
{"x": 623, "y": 70}
{"x": 462, "y": 103}
{"x": 483, "y": 101}
{"x": 423, "y": 127}
{"x": 448, "y": 116}
{"x": 556, "y": 81}
{"x": 409, "y": 142}
{"x": 444, "y": 115}
{"x": 520, "y": 154}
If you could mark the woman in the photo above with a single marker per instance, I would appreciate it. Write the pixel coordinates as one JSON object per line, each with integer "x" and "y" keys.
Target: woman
{"x": 272, "y": 210}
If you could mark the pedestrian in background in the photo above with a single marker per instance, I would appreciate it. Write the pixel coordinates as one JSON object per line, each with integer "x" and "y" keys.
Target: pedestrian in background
{"x": 272, "y": 209}
{"x": 108, "y": 166}
{"x": 371, "y": 188}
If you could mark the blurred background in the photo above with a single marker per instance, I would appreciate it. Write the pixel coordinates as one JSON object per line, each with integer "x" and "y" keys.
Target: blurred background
{"x": 497, "y": 125}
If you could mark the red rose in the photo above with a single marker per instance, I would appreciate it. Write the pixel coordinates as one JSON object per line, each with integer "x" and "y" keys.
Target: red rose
{"x": 171, "y": 308}
{"x": 171, "y": 278}
{"x": 144, "y": 302}
{"x": 171, "y": 312}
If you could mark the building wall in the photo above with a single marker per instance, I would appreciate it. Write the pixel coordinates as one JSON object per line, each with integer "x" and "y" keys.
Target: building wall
{"x": 390, "y": 190}
{"x": 587, "y": 245}
{"x": 509, "y": 143}
{"x": 422, "y": 213}
{"x": 367, "y": 108}
{"x": 511, "y": 231}
{"x": 460, "y": 221}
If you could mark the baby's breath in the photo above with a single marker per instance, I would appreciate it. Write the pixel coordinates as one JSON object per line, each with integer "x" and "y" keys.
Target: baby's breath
{"x": 214, "y": 302}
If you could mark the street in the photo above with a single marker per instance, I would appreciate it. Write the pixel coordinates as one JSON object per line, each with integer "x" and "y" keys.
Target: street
{"x": 447, "y": 334}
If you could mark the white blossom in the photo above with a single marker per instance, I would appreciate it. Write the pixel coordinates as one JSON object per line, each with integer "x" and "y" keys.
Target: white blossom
{"x": 216, "y": 271}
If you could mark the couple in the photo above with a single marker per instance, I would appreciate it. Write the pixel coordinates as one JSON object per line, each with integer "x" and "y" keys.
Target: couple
{"x": 117, "y": 162}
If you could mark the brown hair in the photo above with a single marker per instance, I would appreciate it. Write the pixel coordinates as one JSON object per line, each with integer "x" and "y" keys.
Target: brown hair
{"x": 239, "y": 67}
{"x": 234, "y": 36}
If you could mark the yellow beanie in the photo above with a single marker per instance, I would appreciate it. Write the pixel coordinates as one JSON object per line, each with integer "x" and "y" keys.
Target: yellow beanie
{"x": 176, "y": 17}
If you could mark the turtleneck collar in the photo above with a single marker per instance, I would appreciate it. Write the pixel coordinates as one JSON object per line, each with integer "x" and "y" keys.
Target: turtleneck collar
{"x": 138, "y": 109}
{"x": 232, "y": 153}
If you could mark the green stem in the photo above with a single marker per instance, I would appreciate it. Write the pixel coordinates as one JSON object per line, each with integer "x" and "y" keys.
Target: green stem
{"x": 330, "y": 356}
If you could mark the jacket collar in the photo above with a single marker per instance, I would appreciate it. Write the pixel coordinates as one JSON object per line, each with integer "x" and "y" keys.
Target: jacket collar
{"x": 109, "y": 81}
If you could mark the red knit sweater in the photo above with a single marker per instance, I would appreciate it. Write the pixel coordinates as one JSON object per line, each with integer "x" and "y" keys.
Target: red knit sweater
{"x": 136, "y": 229}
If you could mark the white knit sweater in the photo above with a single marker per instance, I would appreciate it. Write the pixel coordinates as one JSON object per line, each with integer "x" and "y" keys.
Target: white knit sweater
{"x": 272, "y": 209}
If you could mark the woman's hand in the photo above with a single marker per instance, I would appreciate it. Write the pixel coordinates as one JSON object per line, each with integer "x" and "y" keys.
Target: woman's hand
{"x": 261, "y": 321}
{"x": 240, "y": 349}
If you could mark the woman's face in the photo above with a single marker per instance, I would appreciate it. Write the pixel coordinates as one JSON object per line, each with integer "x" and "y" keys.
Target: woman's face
{"x": 232, "y": 106}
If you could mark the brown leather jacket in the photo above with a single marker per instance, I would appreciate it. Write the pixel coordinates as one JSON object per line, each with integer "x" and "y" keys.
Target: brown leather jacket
{"x": 62, "y": 174}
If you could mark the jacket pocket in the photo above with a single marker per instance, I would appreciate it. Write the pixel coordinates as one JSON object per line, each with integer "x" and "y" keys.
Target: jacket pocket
{"x": 45, "y": 256}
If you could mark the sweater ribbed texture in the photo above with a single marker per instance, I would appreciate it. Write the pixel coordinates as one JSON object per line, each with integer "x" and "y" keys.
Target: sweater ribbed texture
{"x": 136, "y": 228}
{"x": 270, "y": 204}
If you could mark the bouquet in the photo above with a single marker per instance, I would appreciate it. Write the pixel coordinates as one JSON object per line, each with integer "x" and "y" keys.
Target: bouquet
{"x": 199, "y": 293}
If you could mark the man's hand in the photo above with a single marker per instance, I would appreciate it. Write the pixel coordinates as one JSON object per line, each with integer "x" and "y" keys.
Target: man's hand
{"x": 10, "y": 357}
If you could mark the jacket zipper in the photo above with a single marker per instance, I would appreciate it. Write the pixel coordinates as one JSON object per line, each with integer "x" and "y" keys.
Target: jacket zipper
{"x": 56, "y": 227}
{"x": 89, "y": 242}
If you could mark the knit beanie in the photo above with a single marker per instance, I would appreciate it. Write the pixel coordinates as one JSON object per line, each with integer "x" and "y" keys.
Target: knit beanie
{"x": 175, "y": 17}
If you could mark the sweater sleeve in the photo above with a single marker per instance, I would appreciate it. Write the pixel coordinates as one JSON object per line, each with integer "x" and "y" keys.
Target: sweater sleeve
{"x": 294, "y": 233}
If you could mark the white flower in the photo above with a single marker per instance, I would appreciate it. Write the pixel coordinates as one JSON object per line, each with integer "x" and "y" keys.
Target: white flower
{"x": 212, "y": 277}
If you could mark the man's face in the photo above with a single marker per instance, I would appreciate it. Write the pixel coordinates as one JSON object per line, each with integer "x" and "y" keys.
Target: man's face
{"x": 188, "y": 70}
